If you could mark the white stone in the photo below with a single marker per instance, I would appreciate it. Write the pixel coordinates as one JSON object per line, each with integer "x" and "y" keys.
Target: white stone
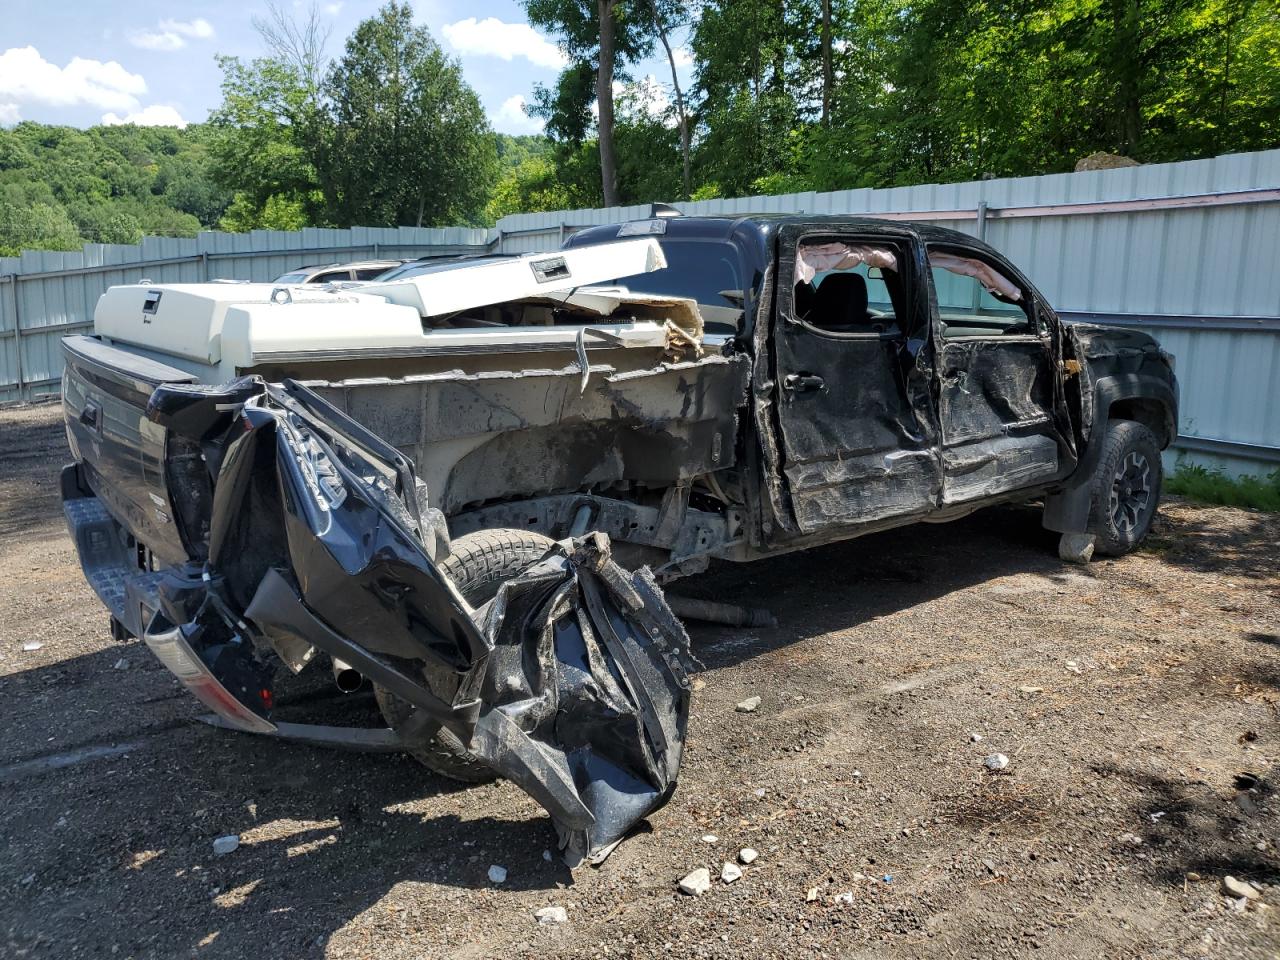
{"x": 552, "y": 915}
{"x": 748, "y": 705}
{"x": 224, "y": 845}
{"x": 997, "y": 761}
{"x": 497, "y": 874}
{"x": 696, "y": 883}
{"x": 710, "y": 838}
{"x": 1076, "y": 547}
{"x": 730, "y": 872}
{"x": 748, "y": 855}
{"x": 1239, "y": 888}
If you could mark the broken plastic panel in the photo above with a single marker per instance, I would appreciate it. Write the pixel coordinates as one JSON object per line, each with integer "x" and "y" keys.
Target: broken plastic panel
{"x": 572, "y": 683}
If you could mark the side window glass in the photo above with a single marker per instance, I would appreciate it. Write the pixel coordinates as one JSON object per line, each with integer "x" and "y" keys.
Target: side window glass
{"x": 848, "y": 287}
{"x": 332, "y": 276}
{"x": 369, "y": 273}
{"x": 977, "y": 300}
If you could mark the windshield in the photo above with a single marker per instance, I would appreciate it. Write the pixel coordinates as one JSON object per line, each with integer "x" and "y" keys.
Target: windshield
{"x": 300, "y": 277}
{"x": 706, "y": 271}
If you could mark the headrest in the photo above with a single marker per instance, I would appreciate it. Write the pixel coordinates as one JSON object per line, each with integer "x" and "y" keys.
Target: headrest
{"x": 841, "y": 301}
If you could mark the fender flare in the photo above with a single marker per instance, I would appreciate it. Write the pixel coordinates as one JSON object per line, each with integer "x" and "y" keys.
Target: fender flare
{"x": 1067, "y": 510}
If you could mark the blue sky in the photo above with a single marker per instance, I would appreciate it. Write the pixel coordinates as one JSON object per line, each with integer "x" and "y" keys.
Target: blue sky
{"x": 78, "y": 62}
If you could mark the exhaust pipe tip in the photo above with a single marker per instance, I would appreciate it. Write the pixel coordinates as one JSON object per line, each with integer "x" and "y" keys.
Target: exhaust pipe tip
{"x": 346, "y": 677}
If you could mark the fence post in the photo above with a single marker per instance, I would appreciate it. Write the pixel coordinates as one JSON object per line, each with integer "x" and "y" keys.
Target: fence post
{"x": 17, "y": 341}
{"x": 982, "y": 220}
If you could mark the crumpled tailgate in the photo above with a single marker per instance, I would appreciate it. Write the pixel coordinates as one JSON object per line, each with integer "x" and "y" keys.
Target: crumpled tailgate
{"x": 572, "y": 683}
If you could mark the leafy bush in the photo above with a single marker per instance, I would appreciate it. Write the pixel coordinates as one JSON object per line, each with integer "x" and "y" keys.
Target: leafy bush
{"x": 1213, "y": 486}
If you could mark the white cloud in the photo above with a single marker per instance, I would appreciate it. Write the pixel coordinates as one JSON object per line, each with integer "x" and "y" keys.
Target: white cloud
{"x": 333, "y": 9}
{"x": 172, "y": 34}
{"x": 27, "y": 77}
{"x": 682, "y": 56}
{"x": 492, "y": 37}
{"x": 156, "y": 115}
{"x": 511, "y": 117}
{"x": 9, "y": 114}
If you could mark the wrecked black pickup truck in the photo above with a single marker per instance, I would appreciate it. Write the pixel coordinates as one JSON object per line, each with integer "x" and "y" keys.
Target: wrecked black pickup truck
{"x": 467, "y": 486}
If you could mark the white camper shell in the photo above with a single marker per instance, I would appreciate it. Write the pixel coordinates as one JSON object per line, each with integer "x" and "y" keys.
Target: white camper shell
{"x": 532, "y": 303}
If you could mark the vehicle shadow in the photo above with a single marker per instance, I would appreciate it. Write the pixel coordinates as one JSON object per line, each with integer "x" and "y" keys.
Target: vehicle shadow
{"x": 326, "y": 837}
{"x": 121, "y": 827}
{"x": 835, "y": 587}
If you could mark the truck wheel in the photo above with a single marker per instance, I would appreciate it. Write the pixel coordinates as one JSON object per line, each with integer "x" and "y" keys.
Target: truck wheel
{"x": 479, "y": 564}
{"x": 1126, "y": 488}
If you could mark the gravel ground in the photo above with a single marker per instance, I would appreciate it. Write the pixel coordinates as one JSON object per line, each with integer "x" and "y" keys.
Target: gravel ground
{"x": 1135, "y": 699}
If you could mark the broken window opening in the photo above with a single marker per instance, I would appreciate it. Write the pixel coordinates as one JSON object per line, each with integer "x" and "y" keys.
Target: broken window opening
{"x": 849, "y": 287}
{"x": 976, "y": 300}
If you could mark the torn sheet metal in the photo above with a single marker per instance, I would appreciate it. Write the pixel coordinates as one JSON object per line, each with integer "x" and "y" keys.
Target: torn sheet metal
{"x": 572, "y": 683}
{"x": 587, "y": 693}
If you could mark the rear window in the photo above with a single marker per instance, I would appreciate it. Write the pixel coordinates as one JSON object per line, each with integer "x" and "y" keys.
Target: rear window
{"x": 706, "y": 271}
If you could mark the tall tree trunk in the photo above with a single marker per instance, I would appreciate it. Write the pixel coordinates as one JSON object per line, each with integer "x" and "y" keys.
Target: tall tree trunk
{"x": 828, "y": 78}
{"x": 1127, "y": 44}
{"x": 604, "y": 100}
{"x": 680, "y": 111}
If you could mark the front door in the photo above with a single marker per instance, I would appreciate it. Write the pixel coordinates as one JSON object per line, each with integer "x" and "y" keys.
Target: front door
{"x": 1000, "y": 402}
{"x": 854, "y": 390}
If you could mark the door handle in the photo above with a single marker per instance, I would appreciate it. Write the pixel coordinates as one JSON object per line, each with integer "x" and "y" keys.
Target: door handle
{"x": 803, "y": 382}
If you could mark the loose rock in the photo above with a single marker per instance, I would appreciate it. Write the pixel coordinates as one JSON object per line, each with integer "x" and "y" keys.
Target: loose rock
{"x": 1239, "y": 888}
{"x": 811, "y": 895}
{"x": 31, "y": 646}
{"x": 730, "y": 872}
{"x": 552, "y": 915}
{"x": 224, "y": 845}
{"x": 497, "y": 874}
{"x": 696, "y": 883}
{"x": 975, "y": 738}
{"x": 748, "y": 705}
{"x": 122, "y": 664}
{"x": 747, "y": 855}
{"x": 845, "y": 899}
{"x": 710, "y": 838}
{"x": 997, "y": 761}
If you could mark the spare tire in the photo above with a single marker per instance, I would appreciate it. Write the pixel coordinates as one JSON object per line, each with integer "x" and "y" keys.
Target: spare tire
{"x": 478, "y": 565}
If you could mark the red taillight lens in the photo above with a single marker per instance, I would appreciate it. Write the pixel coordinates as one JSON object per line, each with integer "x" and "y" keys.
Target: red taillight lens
{"x": 174, "y": 652}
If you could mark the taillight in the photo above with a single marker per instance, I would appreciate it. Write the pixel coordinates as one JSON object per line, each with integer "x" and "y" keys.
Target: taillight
{"x": 172, "y": 649}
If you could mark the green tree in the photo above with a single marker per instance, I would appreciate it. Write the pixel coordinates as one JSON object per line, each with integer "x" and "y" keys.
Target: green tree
{"x": 600, "y": 37}
{"x": 405, "y": 140}
{"x": 263, "y": 137}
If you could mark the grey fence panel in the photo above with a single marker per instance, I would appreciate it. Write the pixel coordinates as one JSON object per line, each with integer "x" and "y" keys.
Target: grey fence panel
{"x": 1187, "y": 251}
{"x": 46, "y": 295}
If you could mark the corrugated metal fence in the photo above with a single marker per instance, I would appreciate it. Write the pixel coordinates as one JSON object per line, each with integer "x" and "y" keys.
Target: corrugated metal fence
{"x": 45, "y": 295}
{"x": 1188, "y": 251}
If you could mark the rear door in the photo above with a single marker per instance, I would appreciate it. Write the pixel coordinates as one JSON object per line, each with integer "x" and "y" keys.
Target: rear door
{"x": 858, "y": 441}
{"x": 1000, "y": 401}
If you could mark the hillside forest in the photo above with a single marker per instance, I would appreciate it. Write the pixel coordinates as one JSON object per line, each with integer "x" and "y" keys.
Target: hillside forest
{"x": 786, "y": 95}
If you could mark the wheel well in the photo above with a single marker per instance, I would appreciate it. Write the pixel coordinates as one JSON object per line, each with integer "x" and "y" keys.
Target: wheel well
{"x": 1150, "y": 413}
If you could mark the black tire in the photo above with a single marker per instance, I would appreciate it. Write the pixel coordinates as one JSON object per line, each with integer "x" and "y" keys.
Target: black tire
{"x": 1126, "y": 488}
{"x": 478, "y": 566}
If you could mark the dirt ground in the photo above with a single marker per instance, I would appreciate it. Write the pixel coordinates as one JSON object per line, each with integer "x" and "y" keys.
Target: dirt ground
{"x": 1136, "y": 700}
